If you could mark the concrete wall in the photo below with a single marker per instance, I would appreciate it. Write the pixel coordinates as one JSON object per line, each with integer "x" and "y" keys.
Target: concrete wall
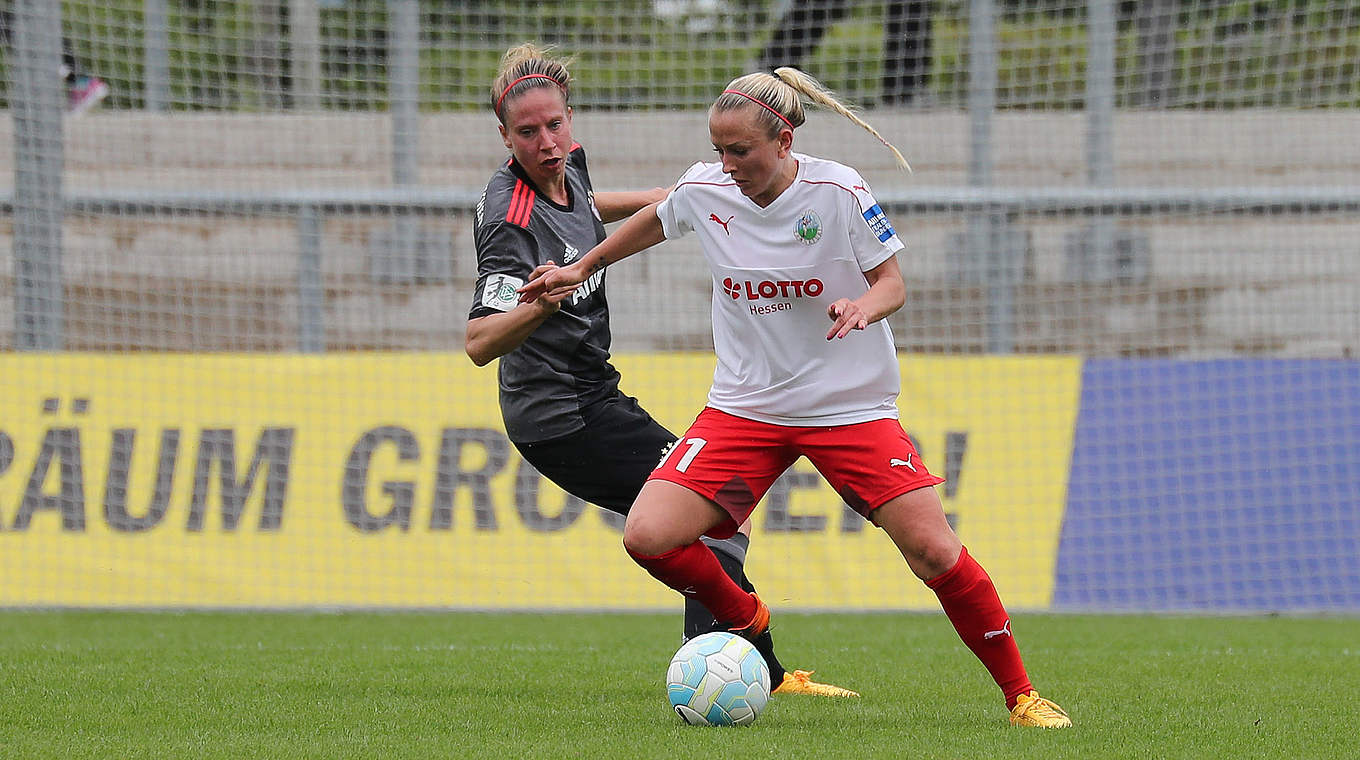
{"x": 1275, "y": 285}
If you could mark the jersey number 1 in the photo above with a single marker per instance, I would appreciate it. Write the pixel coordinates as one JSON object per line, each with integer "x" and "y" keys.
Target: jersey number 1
{"x": 694, "y": 444}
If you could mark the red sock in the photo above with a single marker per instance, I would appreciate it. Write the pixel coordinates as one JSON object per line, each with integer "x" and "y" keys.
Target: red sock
{"x": 969, "y": 599}
{"x": 695, "y": 572}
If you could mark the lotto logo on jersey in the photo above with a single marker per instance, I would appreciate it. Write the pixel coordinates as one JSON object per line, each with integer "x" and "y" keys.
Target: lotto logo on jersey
{"x": 878, "y": 222}
{"x": 754, "y": 291}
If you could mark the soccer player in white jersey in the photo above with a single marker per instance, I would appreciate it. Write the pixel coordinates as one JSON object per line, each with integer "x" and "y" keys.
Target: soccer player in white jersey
{"x": 794, "y": 243}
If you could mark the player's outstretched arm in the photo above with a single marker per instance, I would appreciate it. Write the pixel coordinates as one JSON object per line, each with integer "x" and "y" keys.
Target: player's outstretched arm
{"x": 621, "y": 205}
{"x": 641, "y": 231}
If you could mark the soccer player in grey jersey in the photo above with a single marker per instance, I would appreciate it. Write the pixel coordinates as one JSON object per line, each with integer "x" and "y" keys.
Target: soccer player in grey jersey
{"x": 559, "y": 394}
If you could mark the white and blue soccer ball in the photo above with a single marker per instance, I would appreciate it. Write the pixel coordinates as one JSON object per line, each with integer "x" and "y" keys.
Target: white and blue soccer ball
{"x": 718, "y": 679}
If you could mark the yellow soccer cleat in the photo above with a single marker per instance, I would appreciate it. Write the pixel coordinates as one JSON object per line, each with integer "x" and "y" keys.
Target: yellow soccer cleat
{"x": 800, "y": 682}
{"x": 1033, "y": 710}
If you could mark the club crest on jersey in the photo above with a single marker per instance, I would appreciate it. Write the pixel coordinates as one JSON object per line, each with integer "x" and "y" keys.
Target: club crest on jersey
{"x": 570, "y": 253}
{"x": 809, "y": 229}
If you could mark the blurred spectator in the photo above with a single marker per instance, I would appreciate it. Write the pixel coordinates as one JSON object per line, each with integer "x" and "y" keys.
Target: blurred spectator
{"x": 83, "y": 91}
{"x": 906, "y": 43}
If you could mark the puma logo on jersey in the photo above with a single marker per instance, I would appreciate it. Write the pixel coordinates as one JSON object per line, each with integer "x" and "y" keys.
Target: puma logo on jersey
{"x": 1005, "y": 631}
{"x": 860, "y": 187}
{"x": 895, "y": 462}
{"x": 714, "y": 218}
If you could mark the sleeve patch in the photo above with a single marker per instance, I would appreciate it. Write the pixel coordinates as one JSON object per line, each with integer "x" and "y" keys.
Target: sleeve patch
{"x": 878, "y": 222}
{"x": 499, "y": 292}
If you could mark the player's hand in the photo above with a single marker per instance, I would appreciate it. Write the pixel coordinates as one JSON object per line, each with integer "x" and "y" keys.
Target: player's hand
{"x": 846, "y": 315}
{"x": 550, "y": 300}
{"x": 551, "y": 282}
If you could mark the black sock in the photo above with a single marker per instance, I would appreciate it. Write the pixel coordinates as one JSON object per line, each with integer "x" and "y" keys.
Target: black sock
{"x": 731, "y": 554}
{"x": 764, "y": 644}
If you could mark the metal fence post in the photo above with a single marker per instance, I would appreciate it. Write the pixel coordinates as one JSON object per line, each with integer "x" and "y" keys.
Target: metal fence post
{"x": 1100, "y": 131}
{"x": 304, "y": 24}
{"x": 984, "y": 236}
{"x": 404, "y": 102}
{"x": 311, "y": 292}
{"x": 37, "y": 99}
{"x": 157, "y": 54}
{"x": 404, "y": 91}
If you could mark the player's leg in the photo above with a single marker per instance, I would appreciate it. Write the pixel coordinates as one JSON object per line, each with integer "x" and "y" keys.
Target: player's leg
{"x": 613, "y": 484}
{"x": 623, "y": 444}
{"x": 731, "y": 554}
{"x": 875, "y": 467}
{"x": 917, "y": 525}
{"x": 662, "y": 535}
{"x": 606, "y": 464}
{"x": 707, "y": 484}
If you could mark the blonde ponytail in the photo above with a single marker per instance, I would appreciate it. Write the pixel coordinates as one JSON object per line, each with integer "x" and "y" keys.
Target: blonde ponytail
{"x": 814, "y": 91}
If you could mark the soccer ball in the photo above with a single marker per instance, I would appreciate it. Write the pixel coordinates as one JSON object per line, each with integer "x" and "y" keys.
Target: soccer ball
{"x": 718, "y": 679}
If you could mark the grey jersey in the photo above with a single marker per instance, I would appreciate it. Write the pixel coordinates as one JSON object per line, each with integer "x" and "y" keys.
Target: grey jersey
{"x": 563, "y": 367}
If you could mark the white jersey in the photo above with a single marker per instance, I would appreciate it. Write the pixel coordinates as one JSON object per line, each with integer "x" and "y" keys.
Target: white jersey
{"x": 776, "y": 270}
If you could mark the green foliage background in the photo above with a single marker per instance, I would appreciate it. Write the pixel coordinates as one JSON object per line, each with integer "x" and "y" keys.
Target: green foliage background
{"x": 1230, "y": 53}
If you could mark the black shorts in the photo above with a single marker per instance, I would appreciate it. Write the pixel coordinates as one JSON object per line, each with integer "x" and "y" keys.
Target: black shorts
{"x": 607, "y": 461}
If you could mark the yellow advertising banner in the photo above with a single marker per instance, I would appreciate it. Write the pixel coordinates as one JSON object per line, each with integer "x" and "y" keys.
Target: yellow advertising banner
{"x": 386, "y": 480}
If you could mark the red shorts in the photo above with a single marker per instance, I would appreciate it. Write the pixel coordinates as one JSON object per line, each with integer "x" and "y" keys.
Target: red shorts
{"x": 733, "y": 461}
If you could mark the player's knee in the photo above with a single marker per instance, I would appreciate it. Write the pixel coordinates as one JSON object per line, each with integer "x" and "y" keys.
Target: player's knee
{"x": 931, "y": 556}
{"x": 639, "y": 540}
{"x": 939, "y": 558}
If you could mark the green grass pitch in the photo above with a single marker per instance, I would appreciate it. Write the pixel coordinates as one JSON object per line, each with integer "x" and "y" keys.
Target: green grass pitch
{"x": 465, "y": 685}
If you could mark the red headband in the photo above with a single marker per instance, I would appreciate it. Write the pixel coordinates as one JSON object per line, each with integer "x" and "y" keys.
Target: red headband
{"x": 505, "y": 92}
{"x": 762, "y": 104}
